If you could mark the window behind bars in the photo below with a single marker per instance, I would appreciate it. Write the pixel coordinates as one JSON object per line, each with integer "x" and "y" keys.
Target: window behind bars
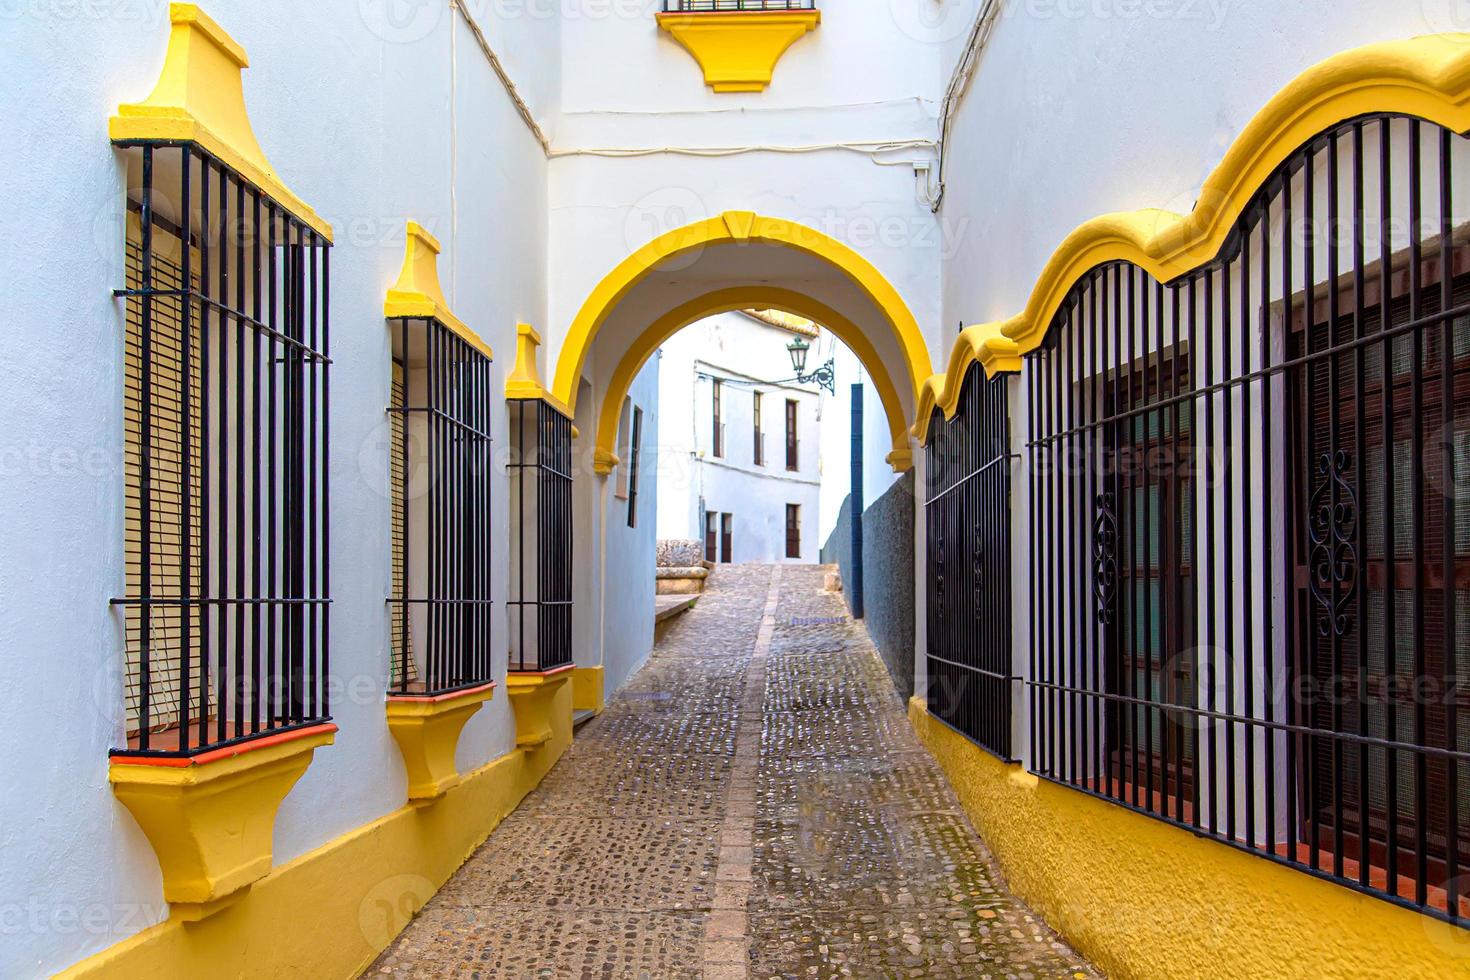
{"x": 440, "y": 461}
{"x": 967, "y": 533}
{"x": 225, "y": 437}
{"x": 1251, "y": 524}
{"x": 540, "y": 473}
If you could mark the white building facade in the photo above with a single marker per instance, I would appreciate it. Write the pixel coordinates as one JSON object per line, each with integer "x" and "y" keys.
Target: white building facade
{"x": 740, "y": 462}
{"x": 579, "y": 172}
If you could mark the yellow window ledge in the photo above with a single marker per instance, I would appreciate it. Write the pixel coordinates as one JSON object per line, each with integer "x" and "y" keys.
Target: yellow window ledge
{"x": 427, "y": 731}
{"x": 738, "y": 50}
{"x": 211, "y": 818}
{"x": 543, "y": 707}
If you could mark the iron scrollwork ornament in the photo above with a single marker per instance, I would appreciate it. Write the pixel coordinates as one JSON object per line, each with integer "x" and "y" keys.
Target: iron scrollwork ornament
{"x": 1104, "y": 556}
{"x": 979, "y": 567}
{"x": 1332, "y": 524}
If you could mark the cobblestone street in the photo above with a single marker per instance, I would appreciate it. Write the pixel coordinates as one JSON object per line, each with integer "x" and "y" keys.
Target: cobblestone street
{"x": 752, "y": 804}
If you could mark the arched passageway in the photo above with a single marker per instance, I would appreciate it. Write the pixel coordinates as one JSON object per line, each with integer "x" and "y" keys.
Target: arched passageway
{"x": 740, "y": 260}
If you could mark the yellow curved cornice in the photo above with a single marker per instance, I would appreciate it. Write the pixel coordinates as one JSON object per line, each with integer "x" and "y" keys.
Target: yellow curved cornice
{"x": 740, "y": 227}
{"x": 417, "y": 293}
{"x": 200, "y": 98}
{"x": 1427, "y": 77}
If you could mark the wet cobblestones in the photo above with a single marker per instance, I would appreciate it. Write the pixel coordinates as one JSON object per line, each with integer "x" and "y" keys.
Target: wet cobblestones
{"x": 752, "y": 804}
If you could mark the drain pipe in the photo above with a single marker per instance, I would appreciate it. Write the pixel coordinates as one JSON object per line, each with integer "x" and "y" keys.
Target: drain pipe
{"x": 855, "y": 575}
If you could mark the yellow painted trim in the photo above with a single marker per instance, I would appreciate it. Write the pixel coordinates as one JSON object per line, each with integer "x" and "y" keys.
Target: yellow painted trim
{"x": 604, "y": 462}
{"x": 738, "y": 226}
{"x": 200, "y": 97}
{"x": 543, "y": 707}
{"x": 329, "y": 913}
{"x": 587, "y": 689}
{"x": 739, "y": 298}
{"x": 211, "y": 824}
{"x": 1141, "y": 898}
{"x": 738, "y": 50}
{"x": 524, "y": 382}
{"x": 1428, "y": 77}
{"x": 417, "y": 293}
{"x": 427, "y": 731}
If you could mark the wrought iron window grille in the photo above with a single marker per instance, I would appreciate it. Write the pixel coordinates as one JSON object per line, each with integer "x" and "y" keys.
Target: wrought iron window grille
{"x": 440, "y": 455}
{"x": 967, "y": 527}
{"x": 734, "y": 6}
{"x": 226, "y": 605}
{"x": 540, "y": 473}
{"x": 1250, "y": 521}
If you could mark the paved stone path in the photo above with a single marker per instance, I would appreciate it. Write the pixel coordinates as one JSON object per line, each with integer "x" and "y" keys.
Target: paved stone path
{"x": 752, "y": 804}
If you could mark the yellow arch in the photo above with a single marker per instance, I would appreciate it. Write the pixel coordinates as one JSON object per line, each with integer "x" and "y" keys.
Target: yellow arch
{"x": 744, "y": 298}
{"x": 1428, "y": 77}
{"x": 738, "y": 226}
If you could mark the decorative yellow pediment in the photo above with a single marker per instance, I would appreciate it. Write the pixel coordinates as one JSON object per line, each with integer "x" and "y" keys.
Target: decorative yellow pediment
{"x": 417, "y": 293}
{"x": 738, "y": 50}
{"x": 524, "y": 381}
{"x": 200, "y": 98}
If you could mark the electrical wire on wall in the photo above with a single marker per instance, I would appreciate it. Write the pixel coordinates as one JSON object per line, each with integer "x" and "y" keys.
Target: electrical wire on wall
{"x": 959, "y": 83}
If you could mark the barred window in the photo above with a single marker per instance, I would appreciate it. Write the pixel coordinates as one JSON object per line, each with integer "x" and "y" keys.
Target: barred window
{"x": 793, "y": 530}
{"x": 225, "y": 436}
{"x": 635, "y": 450}
{"x": 1251, "y": 519}
{"x": 440, "y": 457}
{"x": 540, "y": 472}
{"x": 967, "y": 528}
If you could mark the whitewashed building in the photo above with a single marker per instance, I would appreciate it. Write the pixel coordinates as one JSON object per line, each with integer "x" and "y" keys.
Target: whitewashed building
{"x": 740, "y": 453}
{"x": 242, "y": 238}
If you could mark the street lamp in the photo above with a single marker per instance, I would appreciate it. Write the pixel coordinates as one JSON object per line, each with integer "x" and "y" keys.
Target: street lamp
{"x": 823, "y": 377}
{"x": 798, "y": 349}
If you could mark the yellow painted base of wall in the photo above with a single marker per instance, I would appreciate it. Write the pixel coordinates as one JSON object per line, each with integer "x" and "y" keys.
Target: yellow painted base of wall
{"x": 587, "y": 689}
{"x": 331, "y": 912}
{"x": 1143, "y": 899}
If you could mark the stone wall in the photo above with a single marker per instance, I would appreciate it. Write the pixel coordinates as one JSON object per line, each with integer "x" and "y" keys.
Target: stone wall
{"x": 888, "y": 575}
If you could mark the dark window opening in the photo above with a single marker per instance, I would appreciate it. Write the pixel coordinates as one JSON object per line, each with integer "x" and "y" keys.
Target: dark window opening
{"x": 539, "y": 610}
{"x": 442, "y": 559}
{"x": 225, "y": 441}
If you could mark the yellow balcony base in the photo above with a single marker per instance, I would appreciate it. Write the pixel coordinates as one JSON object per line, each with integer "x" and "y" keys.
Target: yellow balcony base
{"x": 211, "y": 818}
{"x": 543, "y": 707}
{"x": 427, "y": 731}
{"x": 587, "y": 689}
{"x": 738, "y": 50}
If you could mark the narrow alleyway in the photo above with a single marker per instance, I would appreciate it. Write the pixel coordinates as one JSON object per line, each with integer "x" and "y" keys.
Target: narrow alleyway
{"x": 752, "y": 804}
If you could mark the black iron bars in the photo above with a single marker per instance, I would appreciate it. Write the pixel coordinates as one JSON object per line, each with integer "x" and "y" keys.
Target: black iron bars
{"x": 540, "y": 474}
{"x": 440, "y": 465}
{"x": 225, "y": 438}
{"x": 967, "y": 528}
{"x": 1250, "y": 516}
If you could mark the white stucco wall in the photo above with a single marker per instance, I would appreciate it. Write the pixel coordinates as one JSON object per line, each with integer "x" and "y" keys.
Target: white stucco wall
{"x": 743, "y": 353}
{"x": 357, "y": 120}
{"x": 1148, "y": 95}
{"x": 627, "y": 598}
